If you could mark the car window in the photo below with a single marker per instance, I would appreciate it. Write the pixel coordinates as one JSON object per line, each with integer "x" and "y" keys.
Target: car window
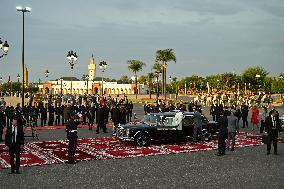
{"x": 154, "y": 118}
{"x": 145, "y": 119}
{"x": 168, "y": 121}
{"x": 187, "y": 121}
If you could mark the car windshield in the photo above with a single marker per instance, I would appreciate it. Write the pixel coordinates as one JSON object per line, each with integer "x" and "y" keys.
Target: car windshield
{"x": 145, "y": 119}
{"x": 154, "y": 118}
{"x": 165, "y": 120}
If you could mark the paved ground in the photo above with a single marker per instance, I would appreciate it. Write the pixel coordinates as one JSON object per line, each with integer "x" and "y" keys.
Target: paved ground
{"x": 243, "y": 168}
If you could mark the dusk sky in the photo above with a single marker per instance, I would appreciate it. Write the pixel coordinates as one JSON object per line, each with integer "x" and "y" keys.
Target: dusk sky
{"x": 208, "y": 36}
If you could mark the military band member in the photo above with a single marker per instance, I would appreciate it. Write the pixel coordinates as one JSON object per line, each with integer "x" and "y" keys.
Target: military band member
{"x": 72, "y": 136}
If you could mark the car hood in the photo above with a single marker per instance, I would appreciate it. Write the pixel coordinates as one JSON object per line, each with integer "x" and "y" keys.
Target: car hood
{"x": 135, "y": 126}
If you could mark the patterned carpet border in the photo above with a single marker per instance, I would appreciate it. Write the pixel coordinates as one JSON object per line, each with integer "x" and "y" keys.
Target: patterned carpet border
{"x": 55, "y": 152}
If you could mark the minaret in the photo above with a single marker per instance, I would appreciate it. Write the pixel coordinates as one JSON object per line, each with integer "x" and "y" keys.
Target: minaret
{"x": 26, "y": 75}
{"x": 92, "y": 68}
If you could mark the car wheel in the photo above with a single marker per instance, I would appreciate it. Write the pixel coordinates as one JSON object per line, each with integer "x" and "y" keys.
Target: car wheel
{"x": 142, "y": 139}
{"x": 207, "y": 135}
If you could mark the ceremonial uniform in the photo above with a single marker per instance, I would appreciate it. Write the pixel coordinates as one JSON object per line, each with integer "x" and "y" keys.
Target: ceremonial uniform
{"x": 72, "y": 136}
{"x": 223, "y": 134}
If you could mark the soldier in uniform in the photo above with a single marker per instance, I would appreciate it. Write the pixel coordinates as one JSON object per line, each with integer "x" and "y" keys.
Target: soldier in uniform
{"x": 72, "y": 136}
{"x": 2, "y": 122}
{"x": 101, "y": 119}
{"x": 223, "y": 133}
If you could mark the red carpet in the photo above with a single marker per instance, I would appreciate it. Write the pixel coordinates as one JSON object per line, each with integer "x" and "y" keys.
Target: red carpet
{"x": 40, "y": 128}
{"x": 54, "y": 152}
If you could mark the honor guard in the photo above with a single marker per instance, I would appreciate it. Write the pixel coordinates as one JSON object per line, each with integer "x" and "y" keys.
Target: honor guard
{"x": 72, "y": 136}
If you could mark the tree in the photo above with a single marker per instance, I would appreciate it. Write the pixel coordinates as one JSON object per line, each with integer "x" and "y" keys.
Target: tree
{"x": 135, "y": 66}
{"x": 157, "y": 67}
{"x": 125, "y": 79}
{"x": 143, "y": 79}
{"x": 163, "y": 57}
{"x": 255, "y": 76}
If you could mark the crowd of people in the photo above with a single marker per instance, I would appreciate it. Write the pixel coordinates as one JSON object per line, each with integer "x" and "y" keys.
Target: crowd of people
{"x": 100, "y": 110}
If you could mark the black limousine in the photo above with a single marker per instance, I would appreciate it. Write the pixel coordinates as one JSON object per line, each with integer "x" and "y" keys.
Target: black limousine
{"x": 164, "y": 126}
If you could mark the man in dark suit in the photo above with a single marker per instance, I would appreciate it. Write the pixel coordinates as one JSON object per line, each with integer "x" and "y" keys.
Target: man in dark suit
{"x": 2, "y": 122}
{"x": 14, "y": 140}
{"x": 71, "y": 129}
{"x": 245, "y": 111}
{"x": 272, "y": 127}
{"x": 101, "y": 118}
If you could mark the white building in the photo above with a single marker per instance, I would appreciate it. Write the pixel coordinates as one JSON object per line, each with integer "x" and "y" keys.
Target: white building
{"x": 90, "y": 86}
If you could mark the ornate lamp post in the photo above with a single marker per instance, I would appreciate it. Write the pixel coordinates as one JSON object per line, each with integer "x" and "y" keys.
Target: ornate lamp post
{"x": 46, "y": 73}
{"x": 23, "y": 10}
{"x": 18, "y": 77}
{"x": 4, "y": 47}
{"x": 172, "y": 89}
{"x": 257, "y": 76}
{"x": 103, "y": 66}
{"x": 86, "y": 78}
{"x": 280, "y": 78}
{"x": 72, "y": 58}
{"x": 158, "y": 73}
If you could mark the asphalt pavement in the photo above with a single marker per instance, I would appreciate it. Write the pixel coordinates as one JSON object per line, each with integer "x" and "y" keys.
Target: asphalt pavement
{"x": 244, "y": 168}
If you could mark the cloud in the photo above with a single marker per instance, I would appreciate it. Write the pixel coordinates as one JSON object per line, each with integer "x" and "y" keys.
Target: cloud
{"x": 209, "y": 7}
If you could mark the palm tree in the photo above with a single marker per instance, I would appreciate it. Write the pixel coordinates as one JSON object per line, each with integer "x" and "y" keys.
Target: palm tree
{"x": 135, "y": 66}
{"x": 157, "y": 71}
{"x": 163, "y": 57}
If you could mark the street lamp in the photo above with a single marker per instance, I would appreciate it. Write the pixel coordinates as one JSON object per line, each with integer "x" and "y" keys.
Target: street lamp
{"x": 171, "y": 81}
{"x": 61, "y": 89}
{"x": 4, "y": 47}
{"x": 158, "y": 73}
{"x": 72, "y": 58}
{"x": 86, "y": 78}
{"x": 103, "y": 66}
{"x": 257, "y": 76}
{"x": 18, "y": 77}
{"x": 23, "y": 10}
{"x": 46, "y": 73}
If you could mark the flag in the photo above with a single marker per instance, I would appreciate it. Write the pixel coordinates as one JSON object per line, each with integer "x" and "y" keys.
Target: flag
{"x": 208, "y": 87}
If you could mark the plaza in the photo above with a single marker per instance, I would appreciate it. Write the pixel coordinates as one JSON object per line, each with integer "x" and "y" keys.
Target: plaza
{"x": 246, "y": 168}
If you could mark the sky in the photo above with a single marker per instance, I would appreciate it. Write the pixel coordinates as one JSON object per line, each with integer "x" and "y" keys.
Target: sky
{"x": 208, "y": 36}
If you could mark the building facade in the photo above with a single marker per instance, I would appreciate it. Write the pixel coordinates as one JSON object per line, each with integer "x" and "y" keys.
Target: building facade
{"x": 89, "y": 86}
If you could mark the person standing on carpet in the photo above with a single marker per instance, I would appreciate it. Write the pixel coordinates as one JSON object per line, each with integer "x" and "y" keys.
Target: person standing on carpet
{"x": 254, "y": 117}
{"x": 71, "y": 129}
{"x": 197, "y": 122}
{"x": 223, "y": 133}
{"x": 14, "y": 141}
{"x": 233, "y": 128}
{"x": 272, "y": 127}
{"x": 101, "y": 118}
{"x": 2, "y": 122}
{"x": 245, "y": 111}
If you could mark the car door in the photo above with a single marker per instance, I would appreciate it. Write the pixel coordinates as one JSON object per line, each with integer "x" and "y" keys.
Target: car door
{"x": 166, "y": 128}
{"x": 187, "y": 125}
